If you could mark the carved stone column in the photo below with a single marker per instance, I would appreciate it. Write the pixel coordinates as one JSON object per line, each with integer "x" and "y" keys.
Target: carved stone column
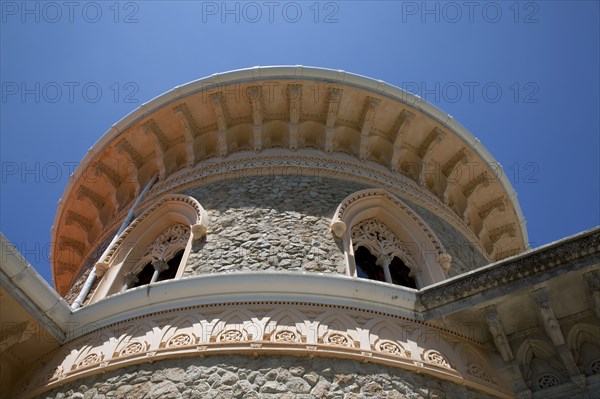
{"x": 384, "y": 261}
{"x": 160, "y": 265}
{"x": 130, "y": 280}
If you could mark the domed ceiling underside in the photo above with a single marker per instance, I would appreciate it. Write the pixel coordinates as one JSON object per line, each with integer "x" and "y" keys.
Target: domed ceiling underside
{"x": 286, "y": 120}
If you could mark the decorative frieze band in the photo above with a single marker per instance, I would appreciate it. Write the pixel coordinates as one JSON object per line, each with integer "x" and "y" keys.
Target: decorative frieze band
{"x": 269, "y": 327}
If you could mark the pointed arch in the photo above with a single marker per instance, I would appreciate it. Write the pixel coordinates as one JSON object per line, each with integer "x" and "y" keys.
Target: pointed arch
{"x": 240, "y": 323}
{"x": 410, "y": 238}
{"x": 540, "y": 366}
{"x": 163, "y": 232}
{"x": 584, "y": 341}
{"x": 278, "y": 317}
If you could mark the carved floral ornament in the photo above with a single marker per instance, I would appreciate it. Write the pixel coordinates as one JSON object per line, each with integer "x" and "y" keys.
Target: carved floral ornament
{"x": 180, "y": 340}
{"x": 392, "y": 348}
{"x": 131, "y": 349}
{"x": 337, "y": 339}
{"x": 479, "y": 372}
{"x": 173, "y": 238}
{"x": 286, "y": 336}
{"x": 378, "y": 238}
{"x": 595, "y": 366}
{"x": 547, "y": 381}
{"x": 89, "y": 360}
{"x": 231, "y": 336}
{"x": 436, "y": 358}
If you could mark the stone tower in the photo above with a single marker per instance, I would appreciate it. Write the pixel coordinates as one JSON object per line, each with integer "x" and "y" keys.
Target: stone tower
{"x": 304, "y": 233}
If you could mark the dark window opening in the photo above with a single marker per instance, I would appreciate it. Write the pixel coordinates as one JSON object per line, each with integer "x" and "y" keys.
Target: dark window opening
{"x": 173, "y": 266}
{"x": 401, "y": 273}
{"x": 145, "y": 276}
{"x": 367, "y": 267}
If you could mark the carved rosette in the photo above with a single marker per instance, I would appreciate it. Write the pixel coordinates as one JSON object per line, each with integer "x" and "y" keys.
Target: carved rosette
{"x": 286, "y": 336}
{"x": 479, "y": 372}
{"x": 547, "y": 381}
{"x": 337, "y": 339}
{"x": 131, "y": 349}
{"x": 391, "y": 348}
{"x": 89, "y": 360}
{"x": 180, "y": 340}
{"x": 595, "y": 367}
{"x": 231, "y": 336}
{"x": 435, "y": 357}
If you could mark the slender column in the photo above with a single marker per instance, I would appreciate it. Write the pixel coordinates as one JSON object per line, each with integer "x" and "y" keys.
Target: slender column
{"x": 384, "y": 261}
{"x": 160, "y": 265}
{"x": 416, "y": 275}
{"x": 130, "y": 280}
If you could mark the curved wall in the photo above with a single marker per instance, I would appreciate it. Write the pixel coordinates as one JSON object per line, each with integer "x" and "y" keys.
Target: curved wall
{"x": 283, "y": 223}
{"x": 270, "y": 222}
{"x": 261, "y": 377}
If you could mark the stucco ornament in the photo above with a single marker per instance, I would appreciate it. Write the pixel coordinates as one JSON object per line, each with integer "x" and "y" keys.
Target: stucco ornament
{"x": 378, "y": 238}
{"x": 175, "y": 236}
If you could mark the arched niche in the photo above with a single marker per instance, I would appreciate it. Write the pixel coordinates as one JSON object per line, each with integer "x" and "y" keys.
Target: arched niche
{"x": 584, "y": 341}
{"x": 540, "y": 366}
{"x": 392, "y": 229}
{"x": 165, "y": 229}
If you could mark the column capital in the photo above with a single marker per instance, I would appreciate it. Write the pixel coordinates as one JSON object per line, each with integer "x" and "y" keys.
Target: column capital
{"x": 130, "y": 279}
{"x": 160, "y": 265}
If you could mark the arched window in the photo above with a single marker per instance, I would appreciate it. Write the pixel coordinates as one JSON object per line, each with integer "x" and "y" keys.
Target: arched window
{"x": 367, "y": 265}
{"x": 161, "y": 259}
{"x": 380, "y": 255}
{"x": 154, "y": 247}
{"x": 157, "y": 270}
{"x": 385, "y": 240}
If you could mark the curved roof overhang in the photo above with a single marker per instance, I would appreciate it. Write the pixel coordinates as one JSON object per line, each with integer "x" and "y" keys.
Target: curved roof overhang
{"x": 284, "y": 111}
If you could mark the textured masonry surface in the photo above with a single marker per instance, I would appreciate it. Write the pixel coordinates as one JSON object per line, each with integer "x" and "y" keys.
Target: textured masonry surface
{"x": 283, "y": 223}
{"x": 274, "y": 223}
{"x": 262, "y": 377}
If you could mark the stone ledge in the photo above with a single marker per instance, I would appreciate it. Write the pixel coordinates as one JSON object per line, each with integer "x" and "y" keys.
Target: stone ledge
{"x": 555, "y": 258}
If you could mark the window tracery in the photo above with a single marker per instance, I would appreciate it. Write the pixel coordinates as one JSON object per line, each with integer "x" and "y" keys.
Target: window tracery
{"x": 387, "y": 241}
{"x": 380, "y": 255}
{"x": 162, "y": 258}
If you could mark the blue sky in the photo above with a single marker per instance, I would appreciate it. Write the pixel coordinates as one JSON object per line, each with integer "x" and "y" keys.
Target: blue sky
{"x": 523, "y": 77}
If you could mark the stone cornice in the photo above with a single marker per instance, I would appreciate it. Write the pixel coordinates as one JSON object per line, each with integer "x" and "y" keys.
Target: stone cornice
{"x": 228, "y": 129}
{"x": 506, "y": 276}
